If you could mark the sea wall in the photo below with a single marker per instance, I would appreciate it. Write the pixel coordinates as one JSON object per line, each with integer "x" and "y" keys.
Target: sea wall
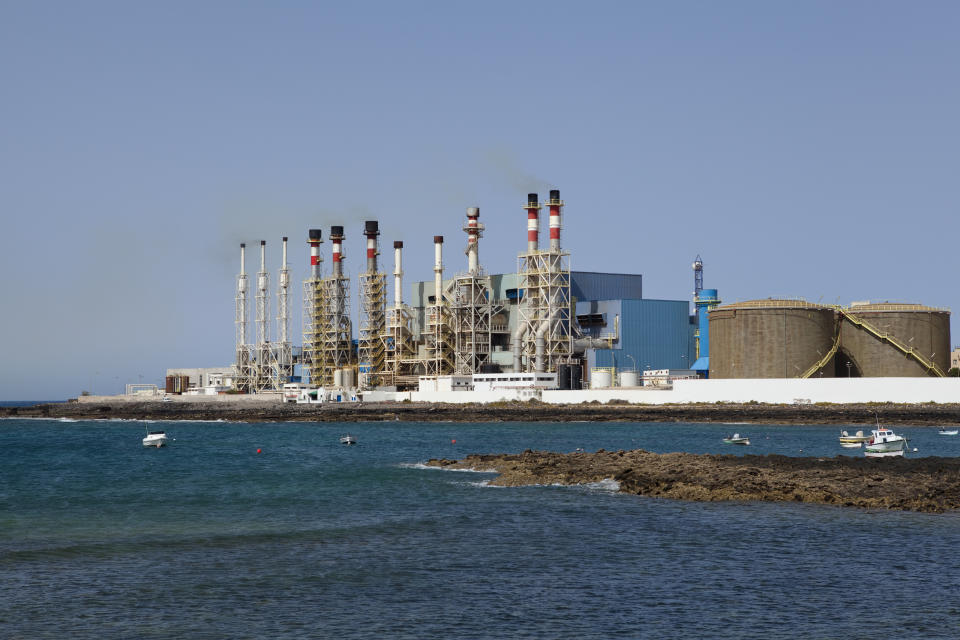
{"x": 776, "y": 391}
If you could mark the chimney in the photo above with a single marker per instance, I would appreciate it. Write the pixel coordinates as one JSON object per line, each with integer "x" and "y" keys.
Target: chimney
{"x": 438, "y": 269}
{"x": 397, "y": 273}
{"x": 315, "y": 259}
{"x": 372, "y": 230}
{"x": 336, "y": 239}
{"x": 556, "y": 205}
{"x": 533, "y": 222}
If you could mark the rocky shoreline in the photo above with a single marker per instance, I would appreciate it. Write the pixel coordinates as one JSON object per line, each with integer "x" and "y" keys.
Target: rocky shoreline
{"x": 930, "y": 485}
{"x": 274, "y": 411}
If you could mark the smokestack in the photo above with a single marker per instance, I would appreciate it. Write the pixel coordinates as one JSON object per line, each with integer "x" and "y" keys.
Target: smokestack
{"x": 556, "y": 205}
{"x": 336, "y": 239}
{"x": 438, "y": 269}
{"x": 284, "y": 252}
{"x": 533, "y": 222}
{"x": 397, "y": 273}
{"x": 243, "y": 262}
{"x": 474, "y": 230}
{"x": 315, "y": 258}
{"x": 372, "y": 230}
{"x": 262, "y": 276}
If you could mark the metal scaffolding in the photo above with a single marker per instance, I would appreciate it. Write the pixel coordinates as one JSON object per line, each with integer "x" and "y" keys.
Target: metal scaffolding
{"x": 313, "y": 305}
{"x": 283, "y": 360}
{"x": 243, "y": 365}
{"x": 544, "y": 332}
{"x": 371, "y": 350}
{"x": 399, "y": 345}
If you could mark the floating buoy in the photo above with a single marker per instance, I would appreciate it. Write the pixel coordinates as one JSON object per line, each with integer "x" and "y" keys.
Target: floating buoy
{"x": 454, "y": 441}
{"x": 258, "y": 450}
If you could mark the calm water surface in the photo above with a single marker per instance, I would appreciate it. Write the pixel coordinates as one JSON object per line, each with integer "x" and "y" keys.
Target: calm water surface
{"x": 102, "y": 538}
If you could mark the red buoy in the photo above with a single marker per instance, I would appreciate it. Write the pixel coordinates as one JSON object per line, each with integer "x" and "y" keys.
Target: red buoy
{"x": 454, "y": 441}
{"x": 258, "y": 450}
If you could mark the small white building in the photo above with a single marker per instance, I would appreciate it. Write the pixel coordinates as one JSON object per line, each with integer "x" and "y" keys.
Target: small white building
{"x": 512, "y": 380}
{"x": 446, "y": 383}
{"x": 207, "y": 377}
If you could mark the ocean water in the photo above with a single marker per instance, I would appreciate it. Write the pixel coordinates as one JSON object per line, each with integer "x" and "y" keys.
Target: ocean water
{"x": 102, "y": 538}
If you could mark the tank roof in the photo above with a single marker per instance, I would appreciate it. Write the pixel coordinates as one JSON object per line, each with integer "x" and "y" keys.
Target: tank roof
{"x": 773, "y": 303}
{"x": 894, "y": 306}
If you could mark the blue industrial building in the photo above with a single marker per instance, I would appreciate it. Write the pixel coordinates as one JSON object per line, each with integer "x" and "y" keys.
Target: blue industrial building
{"x": 654, "y": 334}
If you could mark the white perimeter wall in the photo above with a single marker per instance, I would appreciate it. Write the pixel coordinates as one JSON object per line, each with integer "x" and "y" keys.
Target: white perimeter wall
{"x": 777, "y": 391}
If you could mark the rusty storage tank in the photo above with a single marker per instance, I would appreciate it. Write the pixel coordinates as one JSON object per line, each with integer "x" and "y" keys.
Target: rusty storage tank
{"x": 901, "y": 328}
{"x": 770, "y": 339}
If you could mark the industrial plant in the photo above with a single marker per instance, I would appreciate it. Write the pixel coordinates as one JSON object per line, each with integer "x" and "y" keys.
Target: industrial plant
{"x": 545, "y": 327}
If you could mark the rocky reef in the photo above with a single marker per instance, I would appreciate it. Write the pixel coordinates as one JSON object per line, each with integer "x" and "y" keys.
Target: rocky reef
{"x": 924, "y": 484}
{"x": 248, "y": 410}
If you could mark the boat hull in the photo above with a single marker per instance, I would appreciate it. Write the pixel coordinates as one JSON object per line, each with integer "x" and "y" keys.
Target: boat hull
{"x": 151, "y": 441}
{"x": 883, "y": 454}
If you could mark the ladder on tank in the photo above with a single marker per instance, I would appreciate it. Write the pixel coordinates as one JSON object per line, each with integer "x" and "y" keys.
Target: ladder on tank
{"x": 910, "y": 352}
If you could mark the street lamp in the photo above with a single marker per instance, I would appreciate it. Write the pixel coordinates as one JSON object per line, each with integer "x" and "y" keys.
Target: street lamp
{"x": 633, "y": 361}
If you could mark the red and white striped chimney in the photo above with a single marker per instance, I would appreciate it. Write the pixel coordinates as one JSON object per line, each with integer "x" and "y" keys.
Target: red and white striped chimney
{"x": 474, "y": 230}
{"x": 556, "y": 206}
{"x": 336, "y": 239}
{"x": 372, "y": 230}
{"x": 315, "y": 259}
{"x": 533, "y": 222}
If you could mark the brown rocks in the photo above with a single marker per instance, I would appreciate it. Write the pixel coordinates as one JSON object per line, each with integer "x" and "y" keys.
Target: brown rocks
{"x": 923, "y": 484}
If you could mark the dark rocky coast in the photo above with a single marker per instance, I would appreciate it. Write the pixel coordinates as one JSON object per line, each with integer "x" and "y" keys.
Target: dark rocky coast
{"x": 221, "y": 408}
{"x": 924, "y": 484}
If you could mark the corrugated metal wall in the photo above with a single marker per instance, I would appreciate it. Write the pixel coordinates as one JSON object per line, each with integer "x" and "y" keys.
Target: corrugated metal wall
{"x": 657, "y": 333}
{"x": 588, "y": 285}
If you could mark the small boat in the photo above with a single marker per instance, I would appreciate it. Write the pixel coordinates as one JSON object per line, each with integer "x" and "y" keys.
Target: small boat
{"x": 884, "y": 443}
{"x": 851, "y": 445}
{"x": 947, "y": 432}
{"x": 155, "y": 439}
{"x": 857, "y": 438}
{"x": 736, "y": 439}
{"x": 348, "y": 439}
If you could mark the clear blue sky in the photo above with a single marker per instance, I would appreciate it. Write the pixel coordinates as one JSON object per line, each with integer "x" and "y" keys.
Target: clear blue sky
{"x": 801, "y": 148}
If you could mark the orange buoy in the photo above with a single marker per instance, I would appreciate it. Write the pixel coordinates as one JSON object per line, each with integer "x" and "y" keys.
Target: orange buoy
{"x": 258, "y": 450}
{"x": 454, "y": 441}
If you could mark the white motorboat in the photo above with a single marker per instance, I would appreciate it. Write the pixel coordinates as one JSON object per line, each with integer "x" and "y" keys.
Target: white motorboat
{"x": 736, "y": 439}
{"x": 155, "y": 439}
{"x": 851, "y": 445}
{"x": 884, "y": 443}
{"x": 948, "y": 432}
{"x": 348, "y": 439}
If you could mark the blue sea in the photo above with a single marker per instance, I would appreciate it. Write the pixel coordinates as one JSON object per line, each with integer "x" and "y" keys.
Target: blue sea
{"x": 207, "y": 538}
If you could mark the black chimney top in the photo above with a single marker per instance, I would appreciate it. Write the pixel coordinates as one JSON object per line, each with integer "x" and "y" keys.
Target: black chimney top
{"x": 336, "y": 231}
{"x": 314, "y": 234}
{"x": 532, "y": 198}
{"x": 554, "y": 194}
{"x": 372, "y": 226}
{"x": 398, "y": 244}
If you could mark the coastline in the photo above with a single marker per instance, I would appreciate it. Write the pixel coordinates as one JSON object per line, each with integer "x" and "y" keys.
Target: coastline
{"x": 931, "y": 414}
{"x": 928, "y": 485}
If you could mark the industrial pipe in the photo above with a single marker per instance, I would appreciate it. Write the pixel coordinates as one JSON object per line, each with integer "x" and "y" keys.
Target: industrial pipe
{"x": 242, "y": 282}
{"x": 262, "y": 276}
{"x": 518, "y": 347}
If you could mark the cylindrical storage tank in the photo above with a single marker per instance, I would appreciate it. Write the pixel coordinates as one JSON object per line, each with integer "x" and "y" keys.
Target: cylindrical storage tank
{"x": 628, "y": 379}
{"x": 925, "y": 330}
{"x": 576, "y": 377}
{"x": 770, "y": 339}
{"x": 348, "y": 378}
{"x": 601, "y": 379}
{"x": 338, "y": 377}
{"x": 563, "y": 377}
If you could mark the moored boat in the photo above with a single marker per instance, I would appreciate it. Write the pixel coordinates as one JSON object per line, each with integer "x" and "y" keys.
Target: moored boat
{"x": 884, "y": 443}
{"x": 155, "y": 439}
{"x": 948, "y": 432}
{"x": 736, "y": 439}
{"x": 857, "y": 438}
{"x": 348, "y": 439}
